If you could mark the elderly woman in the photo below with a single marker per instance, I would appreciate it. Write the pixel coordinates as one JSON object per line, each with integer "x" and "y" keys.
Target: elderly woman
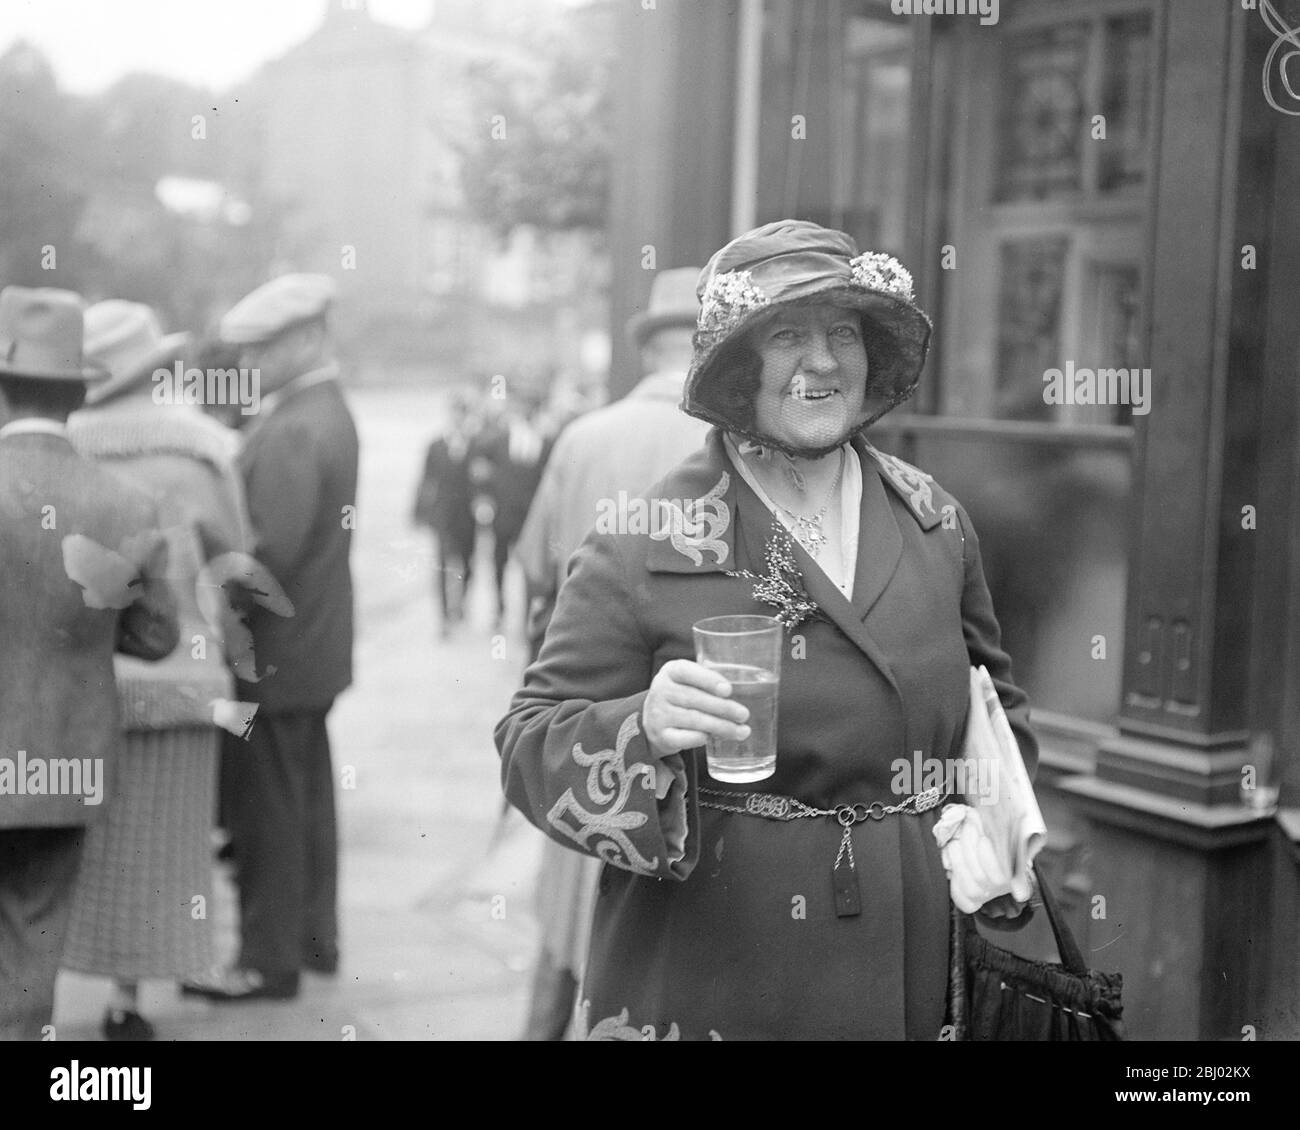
{"x": 717, "y": 917}
{"x": 148, "y": 860}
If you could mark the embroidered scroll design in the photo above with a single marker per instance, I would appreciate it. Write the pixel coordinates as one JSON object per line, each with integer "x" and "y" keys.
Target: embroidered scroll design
{"x": 609, "y": 786}
{"x": 912, "y": 482}
{"x": 698, "y": 528}
{"x": 619, "y": 1028}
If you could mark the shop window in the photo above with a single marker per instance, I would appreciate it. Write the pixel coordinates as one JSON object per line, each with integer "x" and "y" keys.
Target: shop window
{"x": 1042, "y": 125}
{"x": 836, "y": 124}
{"x": 1041, "y": 117}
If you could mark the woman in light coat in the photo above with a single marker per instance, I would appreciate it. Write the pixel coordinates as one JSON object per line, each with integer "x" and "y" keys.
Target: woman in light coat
{"x": 144, "y": 902}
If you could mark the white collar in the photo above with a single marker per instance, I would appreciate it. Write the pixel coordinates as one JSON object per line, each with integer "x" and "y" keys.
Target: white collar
{"x": 850, "y": 510}
{"x": 33, "y": 425}
{"x": 273, "y": 400}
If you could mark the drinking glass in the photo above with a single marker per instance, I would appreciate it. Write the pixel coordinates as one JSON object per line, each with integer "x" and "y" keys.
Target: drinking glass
{"x": 746, "y": 651}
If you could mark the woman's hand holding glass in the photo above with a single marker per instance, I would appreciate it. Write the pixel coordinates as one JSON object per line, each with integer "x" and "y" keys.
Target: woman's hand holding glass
{"x": 686, "y": 704}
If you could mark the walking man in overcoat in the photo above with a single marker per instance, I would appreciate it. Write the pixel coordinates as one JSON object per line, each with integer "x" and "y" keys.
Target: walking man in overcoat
{"x": 82, "y": 562}
{"x": 299, "y": 464}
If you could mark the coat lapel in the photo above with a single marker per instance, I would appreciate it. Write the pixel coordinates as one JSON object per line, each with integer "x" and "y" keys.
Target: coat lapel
{"x": 834, "y": 606}
{"x": 692, "y": 514}
{"x": 880, "y": 542}
{"x": 696, "y": 511}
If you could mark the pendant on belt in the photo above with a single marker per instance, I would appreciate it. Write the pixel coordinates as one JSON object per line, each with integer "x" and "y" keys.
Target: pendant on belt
{"x": 844, "y": 874}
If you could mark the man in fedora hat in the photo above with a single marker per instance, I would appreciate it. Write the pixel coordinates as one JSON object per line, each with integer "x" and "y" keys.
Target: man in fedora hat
{"x": 299, "y": 464}
{"x": 83, "y": 563}
{"x": 623, "y": 447}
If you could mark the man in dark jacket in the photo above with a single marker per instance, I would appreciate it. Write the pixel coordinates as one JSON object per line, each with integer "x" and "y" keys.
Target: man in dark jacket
{"x": 445, "y": 503}
{"x": 83, "y": 568}
{"x": 299, "y": 463}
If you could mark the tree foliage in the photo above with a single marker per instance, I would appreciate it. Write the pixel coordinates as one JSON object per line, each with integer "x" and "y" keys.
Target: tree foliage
{"x": 41, "y": 196}
{"x": 539, "y": 150}
{"x": 80, "y": 176}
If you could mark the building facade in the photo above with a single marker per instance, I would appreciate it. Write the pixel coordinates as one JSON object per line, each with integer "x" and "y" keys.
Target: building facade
{"x": 1096, "y": 200}
{"x": 362, "y": 125}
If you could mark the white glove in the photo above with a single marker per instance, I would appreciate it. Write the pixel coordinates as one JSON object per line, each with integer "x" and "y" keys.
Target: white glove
{"x": 974, "y": 873}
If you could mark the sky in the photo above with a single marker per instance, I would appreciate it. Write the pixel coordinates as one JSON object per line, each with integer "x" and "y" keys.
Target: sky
{"x": 91, "y": 43}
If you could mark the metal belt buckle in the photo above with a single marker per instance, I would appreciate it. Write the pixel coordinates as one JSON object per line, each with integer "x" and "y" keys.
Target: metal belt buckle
{"x": 766, "y": 804}
{"x": 928, "y": 799}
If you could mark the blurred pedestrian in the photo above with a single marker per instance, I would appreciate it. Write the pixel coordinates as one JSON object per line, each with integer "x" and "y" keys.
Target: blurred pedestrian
{"x": 83, "y": 564}
{"x": 149, "y": 858}
{"x": 517, "y": 452}
{"x": 445, "y": 503}
{"x": 299, "y": 464}
{"x": 625, "y": 446}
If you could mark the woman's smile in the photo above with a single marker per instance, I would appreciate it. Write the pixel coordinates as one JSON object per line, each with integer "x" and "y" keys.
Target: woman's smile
{"x": 799, "y": 392}
{"x": 813, "y": 385}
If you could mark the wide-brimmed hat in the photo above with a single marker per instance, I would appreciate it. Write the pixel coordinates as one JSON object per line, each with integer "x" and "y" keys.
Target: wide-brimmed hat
{"x": 673, "y": 302}
{"x": 40, "y": 335}
{"x": 793, "y": 262}
{"x": 127, "y": 340}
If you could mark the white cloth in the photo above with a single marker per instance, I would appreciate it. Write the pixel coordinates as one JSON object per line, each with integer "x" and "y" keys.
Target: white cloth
{"x": 850, "y": 487}
{"x": 33, "y": 425}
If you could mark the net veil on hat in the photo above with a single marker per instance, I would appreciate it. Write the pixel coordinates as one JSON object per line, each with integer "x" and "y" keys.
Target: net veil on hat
{"x": 796, "y": 262}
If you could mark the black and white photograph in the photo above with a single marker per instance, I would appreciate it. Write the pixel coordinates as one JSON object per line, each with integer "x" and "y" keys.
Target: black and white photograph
{"x": 650, "y": 520}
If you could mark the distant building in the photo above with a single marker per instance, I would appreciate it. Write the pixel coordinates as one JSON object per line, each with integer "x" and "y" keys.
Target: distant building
{"x": 360, "y": 125}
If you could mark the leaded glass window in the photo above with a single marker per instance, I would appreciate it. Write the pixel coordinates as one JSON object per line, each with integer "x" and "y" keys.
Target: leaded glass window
{"x": 1041, "y": 121}
{"x": 1029, "y": 323}
{"x": 1126, "y": 102}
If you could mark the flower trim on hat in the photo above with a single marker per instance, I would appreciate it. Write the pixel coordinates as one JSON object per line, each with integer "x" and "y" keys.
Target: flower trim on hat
{"x": 874, "y": 270}
{"x": 729, "y": 297}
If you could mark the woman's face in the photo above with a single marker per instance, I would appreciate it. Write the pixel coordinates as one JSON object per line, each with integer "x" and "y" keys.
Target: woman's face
{"x": 814, "y": 382}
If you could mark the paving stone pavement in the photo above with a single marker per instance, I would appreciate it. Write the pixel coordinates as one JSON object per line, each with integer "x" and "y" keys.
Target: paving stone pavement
{"x": 438, "y": 933}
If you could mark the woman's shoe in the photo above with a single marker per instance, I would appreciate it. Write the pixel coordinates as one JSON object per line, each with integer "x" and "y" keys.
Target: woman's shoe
{"x": 238, "y": 984}
{"x": 125, "y": 1024}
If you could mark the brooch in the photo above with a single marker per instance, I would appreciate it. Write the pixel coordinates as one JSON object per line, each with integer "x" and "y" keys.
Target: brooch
{"x": 782, "y": 585}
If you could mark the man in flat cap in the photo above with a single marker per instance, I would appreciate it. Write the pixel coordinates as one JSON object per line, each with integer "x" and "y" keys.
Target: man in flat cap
{"x": 83, "y": 564}
{"x": 299, "y": 464}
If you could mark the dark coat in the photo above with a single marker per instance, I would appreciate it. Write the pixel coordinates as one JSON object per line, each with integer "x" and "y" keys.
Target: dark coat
{"x": 445, "y": 498}
{"x": 58, "y": 698}
{"x": 731, "y": 929}
{"x": 300, "y": 473}
{"x": 513, "y": 483}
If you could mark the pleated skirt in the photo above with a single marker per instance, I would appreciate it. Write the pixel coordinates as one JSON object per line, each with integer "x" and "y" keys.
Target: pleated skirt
{"x": 144, "y": 895}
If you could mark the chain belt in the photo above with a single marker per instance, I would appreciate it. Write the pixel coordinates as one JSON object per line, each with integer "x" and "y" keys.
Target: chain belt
{"x": 773, "y": 806}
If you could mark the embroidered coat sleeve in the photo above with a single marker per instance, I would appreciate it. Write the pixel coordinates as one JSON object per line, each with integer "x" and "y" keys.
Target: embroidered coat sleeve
{"x": 574, "y": 757}
{"x": 984, "y": 643}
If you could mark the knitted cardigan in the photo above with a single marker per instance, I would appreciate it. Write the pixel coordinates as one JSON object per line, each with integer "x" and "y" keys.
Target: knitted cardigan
{"x": 185, "y": 462}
